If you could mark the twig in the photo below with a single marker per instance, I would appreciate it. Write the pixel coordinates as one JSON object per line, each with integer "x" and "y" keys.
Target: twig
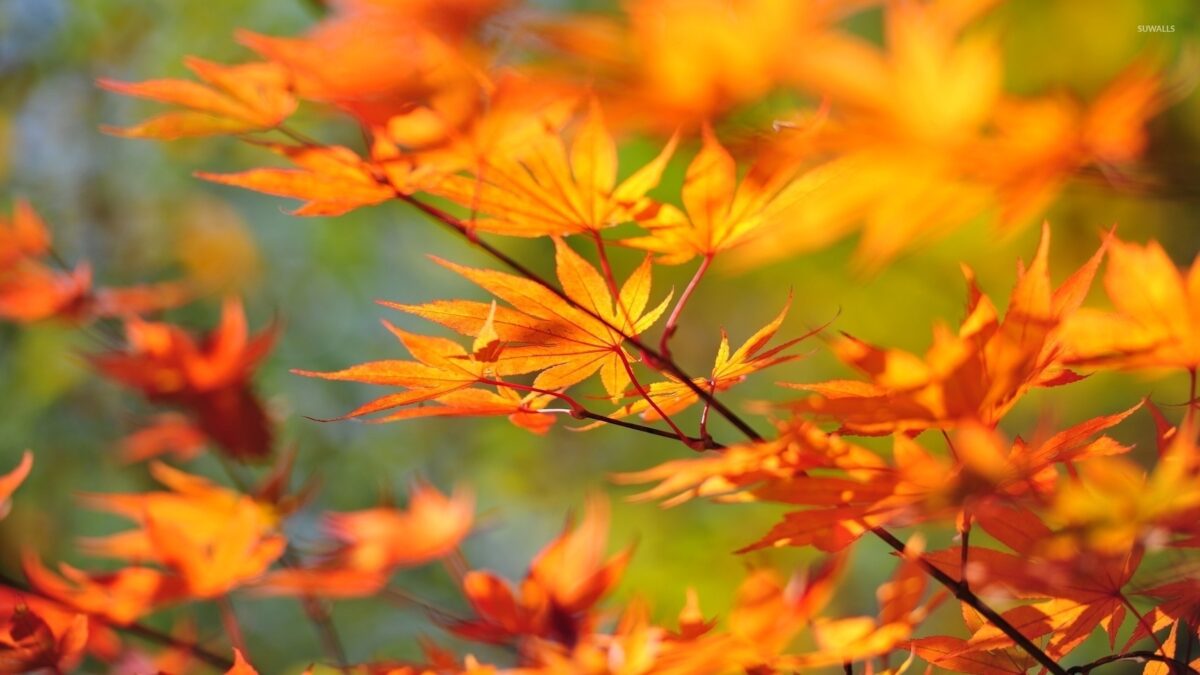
{"x": 650, "y": 400}
{"x": 1176, "y": 667}
{"x": 609, "y": 277}
{"x": 1142, "y": 621}
{"x": 578, "y": 411}
{"x": 963, "y": 593}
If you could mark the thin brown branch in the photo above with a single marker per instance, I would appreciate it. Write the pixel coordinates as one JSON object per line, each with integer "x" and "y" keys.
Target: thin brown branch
{"x": 964, "y": 594}
{"x": 662, "y": 414}
{"x": 1176, "y": 667}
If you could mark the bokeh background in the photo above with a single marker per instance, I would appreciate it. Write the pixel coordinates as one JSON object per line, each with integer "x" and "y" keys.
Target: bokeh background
{"x": 134, "y": 209}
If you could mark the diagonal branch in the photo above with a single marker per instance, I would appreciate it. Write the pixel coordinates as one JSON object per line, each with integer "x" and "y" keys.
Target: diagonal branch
{"x": 967, "y": 596}
{"x": 961, "y": 591}
{"x": 662, "y": 359}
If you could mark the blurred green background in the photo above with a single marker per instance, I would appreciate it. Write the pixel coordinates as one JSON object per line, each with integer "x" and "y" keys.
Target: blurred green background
{"x": 134, "y": 210}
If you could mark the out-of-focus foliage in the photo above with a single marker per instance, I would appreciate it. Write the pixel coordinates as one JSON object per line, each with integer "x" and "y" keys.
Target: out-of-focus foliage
{"x": 849, "y": 160}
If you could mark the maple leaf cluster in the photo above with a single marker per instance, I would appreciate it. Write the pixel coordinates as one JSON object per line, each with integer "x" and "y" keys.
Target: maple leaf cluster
{"x": 912, "y": 138}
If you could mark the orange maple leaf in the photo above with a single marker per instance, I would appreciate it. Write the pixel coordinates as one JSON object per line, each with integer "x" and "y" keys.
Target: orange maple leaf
{"x": 214, "y": 539}
{"x": 727, "y": 475}
{"x": 567, "y": 340}
{"x": 167, "y": 433}
{"x": 556, "y": 599}
{"x": 961, "y": 655}
{"x": 372, "y": 543}
{"x": 419, "y": 147}
{"x": 548, "y": 190}
{"x": 720, "y": 212}
{"x": 28, "y": 643}
{"x": 122, "y": 597}
{"x": 524, "y": 411}
{"x": 670, "y": 63}
{"x": 441, "y": 367}
{"x": 978, "y": 373}
{"x": 102, "y": 640}
{"x": 986, "y": 467}
{"x": 232, "y": 100}
{"x": 1115, "y": 504}
{"x": 778, "y": 469}
{"x": 331, "y": 180}
{"x": 1155, "y": 321}
{"x": 902, "y": 608}
{"x": 209, "y": 378}
{"x": 445, "y": 373}
{"x": 33, "y": 290}
{"x": 768, "y": 613}
{"x": 377, "y": 59}
{"x": 1078, "y": 592}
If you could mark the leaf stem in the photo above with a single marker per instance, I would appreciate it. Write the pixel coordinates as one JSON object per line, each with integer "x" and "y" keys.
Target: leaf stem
{"x": 232, "y": 628}
{"x": 577, "y": 411}
{"x": 965, "y": 552}
{"x": 1143, "y": 622}
{"x": 712, "y": 387}
{"x": 653, "y": 404}
{"x": 609, "y": 277}
{"x": 673, "y": 320}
